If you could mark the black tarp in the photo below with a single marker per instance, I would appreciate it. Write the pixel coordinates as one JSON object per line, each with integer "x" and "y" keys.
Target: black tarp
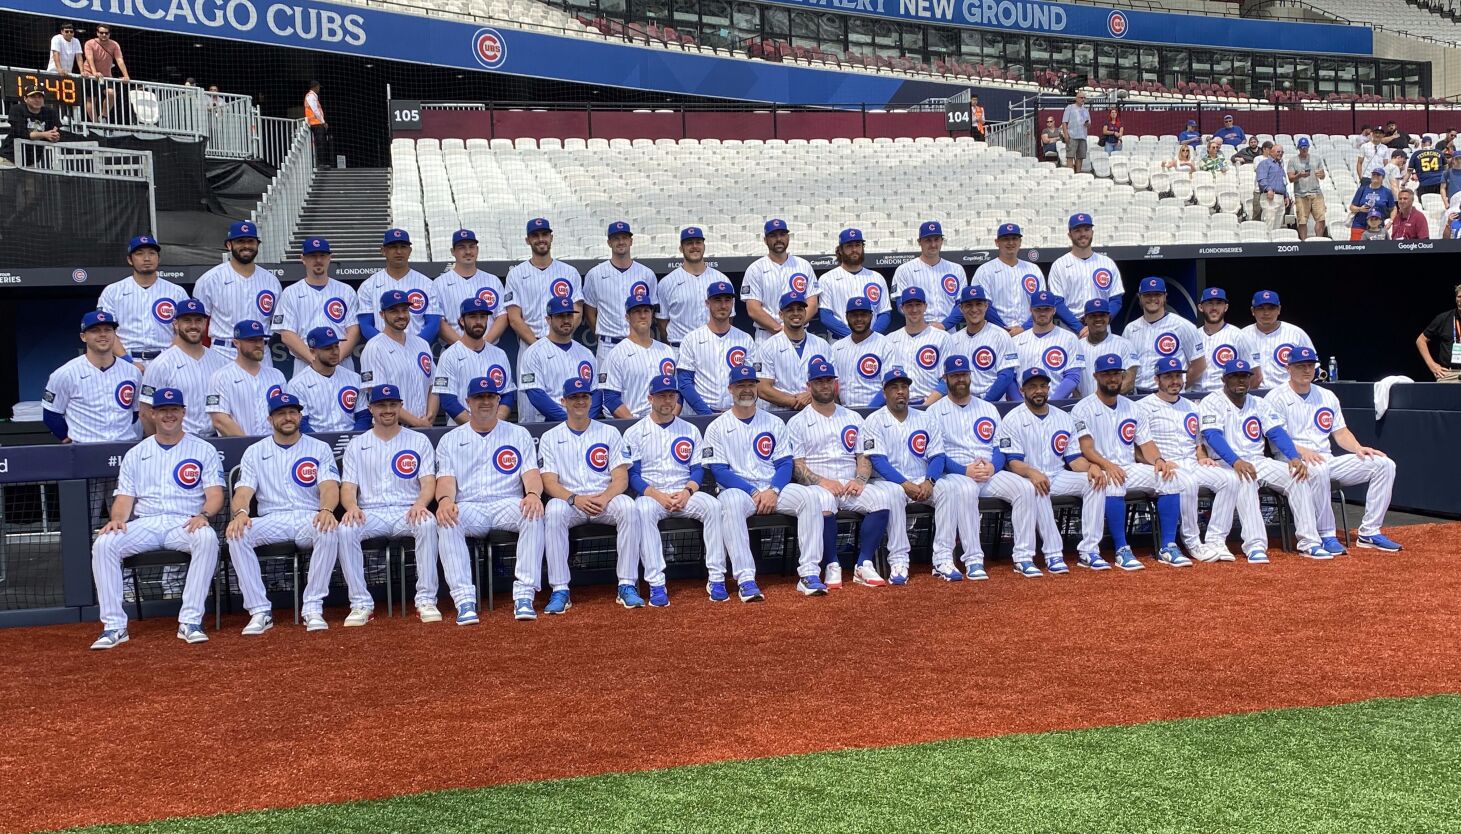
{"x": 178, "y": 167}
{"x": 57, "y": 220}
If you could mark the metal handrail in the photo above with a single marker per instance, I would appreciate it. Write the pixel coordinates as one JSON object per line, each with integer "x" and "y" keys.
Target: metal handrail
{"x": 282, "y": 203}
{"x": 92, "y": 161}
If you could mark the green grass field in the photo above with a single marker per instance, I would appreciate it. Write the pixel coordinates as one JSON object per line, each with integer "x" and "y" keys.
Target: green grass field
{"x": 1378, "y": 766}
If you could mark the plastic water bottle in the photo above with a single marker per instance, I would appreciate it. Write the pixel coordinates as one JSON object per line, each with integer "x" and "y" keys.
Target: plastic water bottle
{"x": 1333, "y": 369}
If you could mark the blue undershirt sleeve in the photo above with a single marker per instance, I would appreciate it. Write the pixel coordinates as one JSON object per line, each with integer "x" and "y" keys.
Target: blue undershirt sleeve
{"x": 56, "y": 422}
{"x": 885, "y": 469}
{"x": 783, "y": 474}
{"x": 612, "y": 400}
{"x": 697, "y": 475}
{"x": 882, "y": 322}
{"x": 832, "y": 323}
{"x": 1282, "y": 442}
{"x": 690, "y": 395}
{"x": 1001, "y": 383}
{"x": 451, "y": 405}
{"x": 998, "y": 460}
{"x": 362, "y": 420}
{"x": 1218, "y": 443}
{"x": 367, "y": 327}
{"x": 1069, "y": 382}
{"x": 728, "y": 479}
{"x": 954, "y": 319}
{"x": 1068, "y": 317}
{"x": 552, "y": 412}
{"x": 636, "y": 478}
{"x": 430, "y": 327}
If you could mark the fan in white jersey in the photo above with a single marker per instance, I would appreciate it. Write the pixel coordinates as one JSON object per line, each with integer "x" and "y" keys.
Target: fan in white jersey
{"x": 399, "y": 277}
{"x": 462, "y": 281}
{"x": 237, "y": 289}
{"x": 329, "y": 394}
{"x": 918, "y": 348}
{"x": 585, "y": 474}
{"x": 772, "y": 275}
{"x": 993, "y": 359}
{"x": 1273, "y": 340}
{"x": 294, "y": 480}
{"x": 388, "y": 481}
{"x": 188, "y": 366}
{"x": 1161, "y": 334}
{"x": 1055, "y": 351}
{"x": 143, "y": 303}
{"x": 1010, "y": 281}
{"x": 682, "y": 292}
{"x": 1099, "y": 341}
{"x": 1315, "y": 419}
{"x": 666, "y": 472}
{"x": 487, "y": 479}
{"x": 940, "y": 279}
{"x": 473, "y": 355}
{"x": 239, "y": 392}
{"x": 93, "y": 398}
{"x": 172, "y": 483}
{"x": 710, "y": 351}
{"x": 607, "y": 284}
{"x": 781, "y": 361}
{"x": 546, "y": 364}
{"x": 535, "y": 281}
{"x": 639, "y": 358}
{"x": 1082, "y": 274}
{"x": 851, "y": 279}
{"x": 860, "y": 357}
{"x": 317, "y": 301}
{"x": 1222, "y": 342}
{"x": 395, "y": 357}
{"x": 1036, "y": 440}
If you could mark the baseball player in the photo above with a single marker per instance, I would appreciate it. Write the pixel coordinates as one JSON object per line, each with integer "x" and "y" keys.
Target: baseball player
{"x": 918, "y": 348}
{"x": 93, "y": 398}
{"x": 1273, "y": 340}
{"x": 472, "y": 355}
{"x": 1223, "y": 342}
{"x": 389, "y": 478}
{"x": 1010, "y": 281}
{"x": 1098, "y": 341}
{"x": 682, "y": 292}
{"x": 398, "y": 277}
{"x": 144, "y": 305}
{"x": 239, "y": 392}
{"x": 585, "y": 472}
{"x": 993, "y": 359}
{"x": 1035, "y": 439}
{"x": 187, "y": 366}
{"x": 902, "y": 444}
{"x": 395, "y": 357}
{"x": 772, "y": 275}
{"x": 318, "y": 301}
{"x": 1044, "y": 346}
{"x": 940, "y": 280}
{"x": 827, "y": 457}
{"x": 1174, "y": 426}
{"x": 487, "y": 479}
{"x": 539, "y": 277}
{"x": 463, "y": 280}
{"x": 1235, "y": 425}
{"x": 781, "y": 361}
{"x": 667, "y": 474}
{"x": 608, "y": 283}
{"x": 749, "y": 455}
{"x": 710, "y": 351}
{"x": 633, "y": 362}
{"x": 172, "y": 482}
{"x": 1314, "y": 419}
{"x": 1159, "y": 334}
{"x": 294, "y": 478}
{"x": 1082, "y": 274}
{"x": 859, "y": 356}
{"x": 237, "y": 289}
{"x": 1110, "y": 430}
{"x": 328, "y": 393}
{"x": 972, "y": 467}
{"x": 547, "y": 363}
{"x": 848, "y": 280}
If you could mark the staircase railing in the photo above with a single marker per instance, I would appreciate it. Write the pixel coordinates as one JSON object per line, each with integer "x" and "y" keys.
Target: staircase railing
{"x": 279, "y": 209}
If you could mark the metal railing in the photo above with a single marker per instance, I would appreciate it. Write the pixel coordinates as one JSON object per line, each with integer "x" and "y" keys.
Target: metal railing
{"x": 87, "y": 159}
{"x": 279, "y": 209}
{"x": 276, "y": 139}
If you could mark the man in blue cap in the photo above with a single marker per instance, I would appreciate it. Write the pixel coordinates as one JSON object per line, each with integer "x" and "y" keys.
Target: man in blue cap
{"x": 144, "y": 305}
{"x": 330, "y": 395}
{"x": 463, "y": 280}
{"x": 710, "y": 351}
{"x": 939, "y": 278}
{"x": 471, "y": 356}
{"x": 535, "y": 281}
{"x": 781, "y": 361}
{"x": 546, "y": 364}
{"x": 993, "y": 359}
{"x": 1053, "y": 350}
{"x": 634, "y": 362}
{"x": 188, "y": 366}
{"x": 772, "y": 275}
{"x": 320, "y": 300}
{"x": 1222, "y": 342}
{"x": 1190, "y": 136}
{"x": 394, "y": 356}
{"x": 1160, "y": 333}
{"x": 398, "y": 276}
{"x": 849, "y": 279}
{"x": 1308, "y": 173}
{"x": 902, "y": 444}
{"x": 608, "y": 283}
{"x": 239, "y": 393}
{"x": 1273, "y": 340}
{"x": 93, "y": 398}
{"x": 918, "y": 348}
{"x": 682, "y": 292}
{"x": 1008, "y": 280}
{"x": 1098, "y": 341}
{"x": 1083, "y": 273}
{"x": 237, "y": 289}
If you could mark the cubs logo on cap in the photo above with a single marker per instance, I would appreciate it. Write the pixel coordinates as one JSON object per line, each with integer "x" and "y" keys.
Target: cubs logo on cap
{"x": 242, "y": 229}
{"x": 283, "y": 400}
{"x": 1009, "y": 230}
{"x": 896, "y": 375}
{"x": 393, "y": 298}
{"x": 692, "y": 233}
{"x": 1212, "y": 294}
{"x": 249, "y": 329}
{"x": 930, "y": 228}
{"x": 1043, "y": 298}
{"x": 559, "y": 306}
{"x": 638, "y": 297}
{"x": 1303, "y": 142}
{"x": 315, "y": 244}
{"x": 1170, "y": 365}
{"x": 142, "y": 242}
{"x": 663, "y": 384}
{"x": 741, "y": 373}
{"x": 1107, "y": 362}
{"x": 483, "y": 385}
{"x": 1097, "y": 305}
{"x": 322, "y": 337}
{"x": 1265, "y": 297}
{"x": 1081, "y": 219}
{"x": 475, "y": 304}
{"x": 539, "y": 224}
{"x": 1153, "y": 284}
{"x": 96, "y": 318}
{"x": 957, "y": 364}
{"x": 167, "y": 396}
{"x": 1302, "y": 354}
{"x": 973, "y": 292}
{"x": 575, "y": 385}
{"x": 619, "y": 227}
{"x": 792, "y": 297}
{"x": 189, "y": 307}
{"x": 395, "y": 236}
{"x": 858, "y": 302}
{"x": 1034, "y": 373}
{"x": 775, "y": 225}
{"x": 1237, "y": 366}
{"x": 820, "y": 368}
{"x": 912, "y": 294}
{"x": 720, "y": 288}
{"x": 383, "y": 393}
{"x": 463, "y": 236}
{"x": 850, "y": 236}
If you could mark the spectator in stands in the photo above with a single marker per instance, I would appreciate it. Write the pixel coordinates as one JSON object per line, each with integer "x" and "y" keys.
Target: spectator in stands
{"x": 1184, "y": 162}
{"x": 1191, "y": 137}
{"x": 1451, "y": 185}
{"x": 1447, "y": 144}
{"x": 1440, "y": 343}
{"x": 1075, "y": 127}
{"x": 1408, "y": 222}
{"x": 31, "y": 119}
{"x": 1372, "y": 154}
{"x": 68, "y": 56}
{"x": 1049, "y": 150}
{"x": 215, "y": 99}
{"x": 1249, "y": 154}
{"x": 1214, "y": 161}
{"x": 104, "y": 56}
{"x": 1371, "y": 196}
{"x": 1307, "y": 174}
{"x": 1112, "y": 132}
{"x": 1374, "y": 227}
{"x": 976, "y": 115}
{"x": 1428, "y": 165}
{"x": 1273, "y": 186}
{"x": 1230, "y": 133}
{"x": 1397, "y": 175}
{"x": 1393, "y": 137}
{"x": 319, "y": 129}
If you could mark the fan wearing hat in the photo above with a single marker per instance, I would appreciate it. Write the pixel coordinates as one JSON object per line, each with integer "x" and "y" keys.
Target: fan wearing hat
{"x": 1230, "y": 132}
{"x": 1190, "y": 135}
{"x": 1371, "y": 196}
{"x": 237, "y": 289}
{"x": 143, "y": 303}
{"x": 1273, "y": 340}
{"x": 30, "y": 118}
{"x": 463, "y": 280}
{"x": 320, "y": 300}
{"x": 239, "y": 393}
{"x": 1307, "y": 172}
{"x": 93, "y": 398}
{"x": 773, "y": 275}
{"x": 849, "y": 279}
{"x": 398, "y": 276}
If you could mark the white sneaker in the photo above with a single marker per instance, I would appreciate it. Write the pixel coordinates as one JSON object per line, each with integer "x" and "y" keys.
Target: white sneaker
{"x": 898, "y": 575}
{"x": 358, "y": 617}
{"x": 258, "y": 624}
{"x": 315, "y": 622}
{"x": 832, "y": 575}
{"x": 867, "y": 574}
{"x": 1222, "y": 553}
{"x": 428, "y": 612}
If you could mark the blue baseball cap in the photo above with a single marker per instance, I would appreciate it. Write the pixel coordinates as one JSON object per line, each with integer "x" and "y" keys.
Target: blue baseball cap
{"x": 539, "y": 224}
{"x": 473, "y": 304}
{"x": 463, "y": 236}
{"x": 315, "y": 244}
{"x": 322, "y": 337}
{"x": 662, "y": 384}
{"x": 973, "y": 292}
{"x": 483, "y": 385}
{"x": 1097, "y": 305}
{"x": 575, "y": 385}
{"x": 559, "y": 306}
{"x": 638, "y": 297}
{"x": 95, "y": 318}
{"x": 1034, "y": 373}
{"x": 1192, "y": 123}
{"x": 1152, "y": 284}
{"x": 859, "y": 302}
{"x": 188, "y": 307}
{"x": 395, "y": 236}
{"x": 1237, "y": 366}
{"x": 850, "y": 236}
{"x": 142, "y": 241}
{"x": 393, "y": 298}
{"x": 912, "y": 294}
{"x": 283, "y": 400}
{"x": 1265, "y": 297}
{"x": 1377, "y": 172}
{"x": 742, "y": 373}
{"x": 168, "y": 396}
{"x": 1213, "y": 294}
{"x": 930, "y": 228}
{"x": 896, "y": 375}
{"x": 619, "y": 227}
{"x": 1107, "y": 362}
{"x": 1009, "y": 230}
{"x": 957, "y": 364}
{"x": 1374, "y": 213}
{"x": 820, "y": 368}
{"x": 1043, "y": 298}
{"x": 792, "y": 297}
{"x": 382, "y": 393}
{"x": 1303, "y": 142}
{"x": 719, "y": 288}
{"x": 1170, "y": 365}
{"x": 242, "y": 229}
{"x": 1302, "y": 354}
{"x": 692, "y": 233}
{"x": 249, "y": 329}
{"x": 1081, "y": 219}
{"x": 775, "y": 225}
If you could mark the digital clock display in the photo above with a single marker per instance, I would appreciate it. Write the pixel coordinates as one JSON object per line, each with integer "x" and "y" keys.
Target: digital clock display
{"x": 60, "y": 90}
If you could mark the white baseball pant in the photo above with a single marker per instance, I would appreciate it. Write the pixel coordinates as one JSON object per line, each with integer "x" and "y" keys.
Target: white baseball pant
{"x": 1300, "y": 494}
{"x": 794, "y": 499}
{"x": 1008, "y": 487}
{"x": 701, "y": 507}
{"x": 390, "y": 522}
{"x": 1229, "y": 492}
{"x": 294, "y": 526}
{"x": 1093, "y": 513}
{"x": 1348, "y": 470}
{"x": 559, "y": 518}
{"x": 876, "y": 496}
{"x": 474, "y": 519}
{"x": 157, "y": 532}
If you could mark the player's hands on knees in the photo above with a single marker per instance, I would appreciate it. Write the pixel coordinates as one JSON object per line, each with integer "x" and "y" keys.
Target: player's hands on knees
{"x": 1166, "y": 469}
{"x": 680, "y": 499}
{"x": 1115, "y": 473}
{"x": 1311, "y": 457}
{"x": 1299, "y": 470}
{"x": 1246, "y": 470}
{"x": 196, "y": 522}
{"x": 354, "y": 518}
{"x": 910, "y": 489}
{"x": 1368, "y": 452}
{"x": 532, "y": 507}
{"x": 837, "y": 488}
{"x": 1040, "y": 481}
{"x": 325, "y": 521}
{"x": 765, "y": 501}
{"x": 980, "y": 470}
{"x": 923, "y": 490}
{"x": 662, "y": 498}
{"x": 238, "y": 525}
{"x": 113, "y": 527}
{"x": 591, "y": 504}
{"x": 446, "y": 512}
{"x": 853, "y": 488}
{"x": 1097, "y": 476}
{"x": 418, "y": 513}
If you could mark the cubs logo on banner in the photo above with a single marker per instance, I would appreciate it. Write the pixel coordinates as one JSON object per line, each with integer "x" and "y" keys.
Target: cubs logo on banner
{"x": 489, "y": 48}
{"x": 597, "y": 457}
{"x": 764, "y": 445}
{"x": 405, "y": 463}
{"x": 918, "y": 442}
{"x": 927, "y": 357}
{"x": 1324, "y": 419}
{"x": 849, "y": 438}
{"x": 1282, "y": 353}
{"x": 1116, "y": 24}
{"x": 1127, "y": 431}
{"x": 188, "y": 473}
{"x": 735, "y": 356}
{"x": 506, "y": 460}
{"x": 163, "y": 310}
{"x": 1191, "y": 424}
{"x": 305, "y": 472}
{"x": 1031, "y": 283}
{"x": 1167, "y": 344}
{"x": 799, "y": 282}
{"x": 488, "y": 296}
{"x": 586, "y": 370}
{"x": 1059, "y": 442}
{"x": 265, "y": 301}
{"x": 1253, "y": 429}
{"x": 950, "y": 283}
{"x": 1224, "y": 354}
{"x": 667, "y": 367}
{"x": 873, "y": 292}
{"x": 1102, "y": 278}
{"x": 983, "y": 358}
{"x": 869, "y": 366}
{"x": 336, "y": 310}
{"x": 424, "y": 361}
{"x": 683, "y": 448}
{"x": 126, "y": 394}
{"x": 560, "y": 288}
{"x": 498, "y": 375}
{"x": 417, "y": 300}
{"x": 1054, "y": 358}
{"x": 347, "y": 397}
{"x": 274, "y": 391}
{"x": 984, "y": 429}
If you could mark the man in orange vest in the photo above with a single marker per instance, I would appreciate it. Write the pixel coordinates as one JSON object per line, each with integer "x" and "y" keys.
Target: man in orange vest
{"x": 977, "y": 114}
{"x": 319, "y": 129}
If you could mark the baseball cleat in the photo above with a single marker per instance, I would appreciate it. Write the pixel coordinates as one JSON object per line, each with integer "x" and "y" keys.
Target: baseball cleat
{"x": 1316, "y": 552}
{"x": 1379, "y": 541}
{"x": 558, "y": 602}
{"x": 659, "y": 597}
{"x": 1056, "y": 564}
{"x": 832, "y": 575}
{"x": 1027, "y": 570}
{"x": 428, "y": 612}
{"x": 749, "y": 591}
{"x": 1334, "y": 546}
{"x": 629, "y": 597}
{"x": 1092, "y": 561}
{"x": 192, "y": 633}
{"x": 1258, "y": 557}
{"x": 867, "y": 574}
{"x": 522, "y": 609}
{"x": 1172, "y": 555}
{"x": 898, "y": 575}
{"x": 1126, "y": 560}
{"x": 948, "y": 573}
{"x": 717, "y": 591}
{"x": 258, "y": 624}
{"x": 358, "y": 617}
{"x": 1203, "y": 553}
{"x": 110, "y": 639}
{"x": 467, "y": 614}
{"x": 811, "y": 586}
{"x": 975, "y": 571}
{"x": 315, "y": 621}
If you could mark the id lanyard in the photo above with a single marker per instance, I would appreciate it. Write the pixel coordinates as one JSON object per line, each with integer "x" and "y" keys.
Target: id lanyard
{"x": 1456, "y": 341}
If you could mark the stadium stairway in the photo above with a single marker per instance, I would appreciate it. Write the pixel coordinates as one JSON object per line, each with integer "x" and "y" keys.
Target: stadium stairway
{"x": 351, "y": 207}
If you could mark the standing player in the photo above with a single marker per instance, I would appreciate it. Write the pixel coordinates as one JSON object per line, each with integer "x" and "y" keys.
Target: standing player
{"x": 585, "y": 472}
{"x": 1159, "y": 334}
{"x": 859, "y": 356}
{"x": 1314, "y": 415}
{"x": 781, "y": 361}
{"x": 919, "y": 348}
{"x": 540, "y": 277}
{"x": 297, "y": 485}
{"x": 143, "y": 304}
{"x": 487, "y": 479}
{"x": 682, "y": 292}
{"x": 328, "y": 393}
{"x": 1273, "y": 340}
{"x": 939, "y": 279}
{"x": 318, "y": 301}
{"x": 1082, "y": 274}
{"x": 608, "y": 283}
{"x": 772, "y": 275}
{"x": 1054, "y": 351}
{"x": 633, "y": 362}
{"x": 93, "y": 398}
{"x": 710, "y": 351}
{"x": 173, "y": 482}
{"x": 398, "y": 277}
{"x": 187, "y": 366}
{"x": 389, "y": 479}
{"x": 1098, "y": 341}
{"x": 470, "y": 356}
{"x": 1223, "y": 342}
{"x": 993, "y": 359}
{"x": 462, "y": 281}
{"x": 395, "y": 357}
{"x": 848, "y": 280}
{"x": 239, "y": 392}
{"x": 546, "y": 364}
{"x": 1010, "y": 281}
{"x": 237, "y": 289}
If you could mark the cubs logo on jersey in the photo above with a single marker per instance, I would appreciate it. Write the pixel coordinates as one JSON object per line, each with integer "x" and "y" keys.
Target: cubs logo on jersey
{"x": 918, "y": 442}
{"x": 597, "y": 457}
{"x": 347, "y": 397}
{"x": 405, "y": 463}
{"x": 683, "y": 449}
{"x": 735, "y": 356}
{"x": 873, "y": 292}
{"x": 1324, "y": 419}
{"x": 764, "y": 445}
{"x": 849, "y": 438}
{"x": 1059, "y": 442}
{"x": 417, "y": 300}
{"x": 586, "y": 371}
{"x": 126, "y": 394}
{"x": 424, "y": 361}
{"x": 336, "y": 309}
{"x": 1191, "y": 424}
{"x": 507, "y": 460}
{"x": 799, "y": 282}
{"x": 1102, "y": 278}
{"x": 927, "y": 357}
{"x": 984, "y": 358}
{"x": 1281, "y": 354}
{"x": 1167, "y": 344}
{"x": 265, "y": 301}
{"x": 950, "y": 283}
{"x": 1127, "y": 431}
{"x": 869, "y": 366}
{"x": 305, "y": 472}
{"x": 1054, "y": 358}
{"x": 187, "y": 473}
{"x": 488, "y": 296}
{"x": 163, "y": 310}
{"x": 561, "y": 288}
{"x": 1224, "y": 354}
{"x": 1031, "y": 282}
{"x": 667, "y": 367}
{"x": 1253, "y": 428}
{"x": 984, "y": 429}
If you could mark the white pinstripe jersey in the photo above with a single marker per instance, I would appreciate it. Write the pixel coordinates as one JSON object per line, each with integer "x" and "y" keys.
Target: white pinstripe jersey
{"x": 169, "y": 481}
{"x": 176, "y": 369}
{"x": 628, "y": 369}
{"x": 710, "y": 356}
{"x": 459, "y": 365}
{"x": 751, "y": 449}
{"x": 1112, "y": 344}
{"x": 1057, "y": 351}
{"x": 388, "y": 472}
{"x": 607, "y": 287}
{"x": 1116, "y": 430}
{"x": 1243, "y": 427}
{"x": 664, "y": 453}
{"x": 452, "y": 289}
{"x": 1078, "y": 280}
{"x": 419, "y": 290}
{"x": 99, "y": 405}
{"x": 828, "y": 443}
{"x": 487, "y": 467}
{"x": 990, "y": 351}
{"x": 968, "y": 430}
{"x": 767, "y": 281}
{"x": 231, "y": 298}
{"x": 1168, "y": 336}
{"x": 1273, "y": 349}
{"x": 682, "y": 300}
{"x": 1010, "y": 287}
{"x": 1222, "y": 347}
{"x": 860, "y": 368}
{"x": 407, "y": 366}
{"x": 330, "y": 402}
{"x": 1312, "y": 419}
{"x": 909, "y": 445}
{"x": 583, "y": 462}
{"x": 840, "y": 286}
{"x": 529, "y": 288}
{"x": 1045, "y": 442}
{"x": 922, "y": 356}
{"x": 546, "y": 365}
{"x": 244, "y": 396}
{"x": 144, "y": 314}
{"x": 287, "y": 478}
{"x": 303, "y": 307}
{"x": 941, "y": 282}
{"x": 1174, "y": 427}
{"x": 778, "y": 360}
